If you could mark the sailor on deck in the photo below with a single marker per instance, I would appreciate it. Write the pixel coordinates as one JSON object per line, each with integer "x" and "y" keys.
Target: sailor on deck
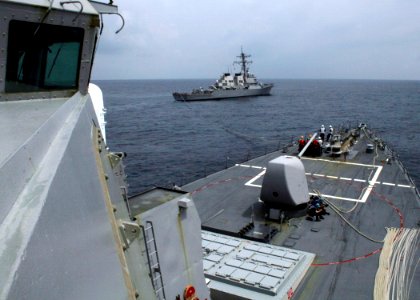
{"x": 317, "y": 147}
{"x": 322, "y": 132}
{"x": 330, "y": 133}
{"x": 316, "y": 208}
{"x": 301, "y": 143}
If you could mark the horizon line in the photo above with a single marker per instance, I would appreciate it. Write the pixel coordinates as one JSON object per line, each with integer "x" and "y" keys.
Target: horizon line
{"x": 212, "y": 79}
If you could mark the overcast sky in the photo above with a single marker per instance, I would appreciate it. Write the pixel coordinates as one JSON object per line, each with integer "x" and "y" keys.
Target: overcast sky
{"x": 342, "y": 39}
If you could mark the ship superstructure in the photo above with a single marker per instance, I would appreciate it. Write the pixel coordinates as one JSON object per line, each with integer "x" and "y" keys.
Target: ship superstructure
{"x": 242, "y": 84}
{"x": 66, "y": 231}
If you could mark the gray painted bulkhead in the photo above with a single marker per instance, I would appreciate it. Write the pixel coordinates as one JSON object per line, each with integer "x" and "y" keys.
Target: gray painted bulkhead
{"x": 57, "y": 233}
{"x": 63, "y": 194}
{"x": 57, "y": 240}
{"x": 178, "y": 240}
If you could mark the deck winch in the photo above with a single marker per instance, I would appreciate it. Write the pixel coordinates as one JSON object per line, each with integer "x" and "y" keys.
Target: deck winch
{"x": 284, "y": 185}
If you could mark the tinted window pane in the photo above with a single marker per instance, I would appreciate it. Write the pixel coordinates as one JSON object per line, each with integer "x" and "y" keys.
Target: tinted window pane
{"x": 42, "y": 57}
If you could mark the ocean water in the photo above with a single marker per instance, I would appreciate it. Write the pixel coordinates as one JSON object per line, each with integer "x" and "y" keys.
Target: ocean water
{"x": 170, "y": 142}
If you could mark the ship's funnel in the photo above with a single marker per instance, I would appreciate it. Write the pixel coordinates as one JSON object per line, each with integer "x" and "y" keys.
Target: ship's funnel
{"x": 284, "y": 184}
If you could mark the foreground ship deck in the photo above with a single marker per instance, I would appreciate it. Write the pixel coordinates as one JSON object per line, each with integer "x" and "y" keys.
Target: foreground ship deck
{"x": 372, "y": 191}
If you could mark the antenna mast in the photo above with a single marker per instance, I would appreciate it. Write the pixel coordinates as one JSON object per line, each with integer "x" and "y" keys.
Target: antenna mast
{"x": 244, "y": 63}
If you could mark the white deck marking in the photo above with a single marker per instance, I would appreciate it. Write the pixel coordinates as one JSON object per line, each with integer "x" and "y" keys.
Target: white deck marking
{"x": 251, "y": 182}
{"x": 359, "y": 180}
{"x": 371, "y": 184}
{"x": 249, "y": 166}
{"x": 404, "y": 185}
{"x": 362, "y": 198}
{"x": 253, "y": 185}
{"x": 336, "y": 197}
{"x": 340, "y": 162}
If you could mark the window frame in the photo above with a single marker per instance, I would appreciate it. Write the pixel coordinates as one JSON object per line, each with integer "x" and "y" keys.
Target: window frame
{"x": 35, "y": 39}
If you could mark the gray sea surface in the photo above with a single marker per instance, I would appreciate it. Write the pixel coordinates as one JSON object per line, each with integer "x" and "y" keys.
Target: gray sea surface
{"x": 170, "y": 142}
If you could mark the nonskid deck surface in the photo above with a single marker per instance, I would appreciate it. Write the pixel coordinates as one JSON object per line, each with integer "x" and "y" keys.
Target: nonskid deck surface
{"x": 372, "y": 187}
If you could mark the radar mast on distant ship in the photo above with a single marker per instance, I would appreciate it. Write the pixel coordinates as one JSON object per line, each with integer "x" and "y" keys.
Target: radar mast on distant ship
{"x": 244, "y": 63}
{"x": 243, "y": 84}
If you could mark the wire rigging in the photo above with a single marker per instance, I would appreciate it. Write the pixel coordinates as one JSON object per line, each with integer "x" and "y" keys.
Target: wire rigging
{"x": 397, "y": 264}
{"x": 339, "y": 213}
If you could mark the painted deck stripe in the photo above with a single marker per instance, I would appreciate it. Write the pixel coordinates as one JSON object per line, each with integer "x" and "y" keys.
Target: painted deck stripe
{"x": 253, "y": 185}
{"x": 339, "y": 162}
{"x": 371, "y": 184}
{"x": 249, "y": 166}
{"x": 359, "y": 180}
{"x": 363, "y": 197}
{"x": 251, "y": 181}
{"x": 404, "y": 185}
{"x": 337, "y": 197}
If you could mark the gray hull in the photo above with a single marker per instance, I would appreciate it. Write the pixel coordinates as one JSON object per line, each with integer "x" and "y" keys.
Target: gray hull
{"x": 223, "y": 94}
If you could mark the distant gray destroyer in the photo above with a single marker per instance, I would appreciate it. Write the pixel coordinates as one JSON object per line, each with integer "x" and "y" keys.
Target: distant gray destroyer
{"x": 243, "y": 84}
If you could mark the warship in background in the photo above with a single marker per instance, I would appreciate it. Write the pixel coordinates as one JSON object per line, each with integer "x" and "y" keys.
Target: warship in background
{"x": 243, "y": 84}
{"x": 68, "y": 229}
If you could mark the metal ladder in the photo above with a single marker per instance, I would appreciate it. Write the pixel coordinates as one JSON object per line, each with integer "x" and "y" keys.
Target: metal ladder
{"x": 153, "y": 259}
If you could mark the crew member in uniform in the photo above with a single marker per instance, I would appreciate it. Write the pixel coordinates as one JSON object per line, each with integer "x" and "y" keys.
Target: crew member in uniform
{"x": 322, "y": 132}
{"x": 301, "y": 143}
{"x": 316, "y": 148}
{"x": 330, "y": 133}
{"x": 316, "y": 208}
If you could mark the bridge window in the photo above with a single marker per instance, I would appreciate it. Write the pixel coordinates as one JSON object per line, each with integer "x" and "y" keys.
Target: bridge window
{"x": 42, "y": 57}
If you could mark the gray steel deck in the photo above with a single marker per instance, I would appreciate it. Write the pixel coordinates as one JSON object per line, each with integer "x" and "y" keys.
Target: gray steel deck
{"x": 374, "y": 185}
